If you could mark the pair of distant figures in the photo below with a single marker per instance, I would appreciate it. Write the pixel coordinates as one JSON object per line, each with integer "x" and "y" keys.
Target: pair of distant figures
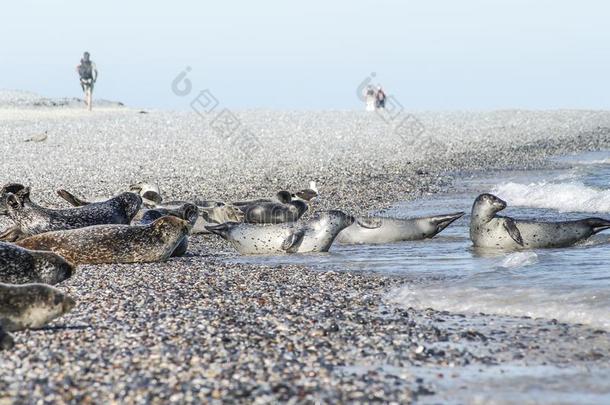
{"x": 374, "y": 98}
{"x": 88, "y": 76}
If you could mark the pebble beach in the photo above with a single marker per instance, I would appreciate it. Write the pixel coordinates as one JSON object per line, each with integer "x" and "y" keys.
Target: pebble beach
{"x": 202, "y": 329}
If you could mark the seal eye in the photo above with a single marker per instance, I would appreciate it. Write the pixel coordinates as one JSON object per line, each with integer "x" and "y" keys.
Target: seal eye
{"x": 58, "y": 299}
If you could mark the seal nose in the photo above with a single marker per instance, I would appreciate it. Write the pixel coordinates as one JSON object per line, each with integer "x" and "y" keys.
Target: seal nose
{"x": 501, "y": 204}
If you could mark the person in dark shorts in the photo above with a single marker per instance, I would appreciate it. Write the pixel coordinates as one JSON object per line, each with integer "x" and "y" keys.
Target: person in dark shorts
{"x": 380, "y": 98}
{"x": 88, "y": 76}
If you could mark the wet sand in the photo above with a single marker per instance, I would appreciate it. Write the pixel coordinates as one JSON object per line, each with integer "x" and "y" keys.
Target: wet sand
{"x": 199, "y": 328}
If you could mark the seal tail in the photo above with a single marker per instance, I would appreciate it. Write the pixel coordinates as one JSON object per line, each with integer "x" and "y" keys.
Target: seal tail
{"x": 71, "y": 198}
{"x": 598, "y": 224}
{"x": 443, "y": 221}
{"x": 221, "y": 230}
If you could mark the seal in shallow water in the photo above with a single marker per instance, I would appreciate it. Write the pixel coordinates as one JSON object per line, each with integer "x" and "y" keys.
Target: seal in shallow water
{"x": 488, "y": 230}
{"x": 21, "y": 266}
{"x": 31, "y": 306}
{"x": 314, "y": 235}
{"x": 114, "y": 243}
{"x": 386, "y": 230}
{"x": 32, "y": 219}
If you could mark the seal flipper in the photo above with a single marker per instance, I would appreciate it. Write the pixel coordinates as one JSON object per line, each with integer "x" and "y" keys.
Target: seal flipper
{"x": 12, "y": 234}
{"x": 513, "y": 231}
{"x": 598, "y": 224}
{"x": 71, "y": 198}
{"x": 369, "y": 222}
{"x": 292, "y": 242}
{"x": 443, "y": 221}
{"x": 221, "y": 230}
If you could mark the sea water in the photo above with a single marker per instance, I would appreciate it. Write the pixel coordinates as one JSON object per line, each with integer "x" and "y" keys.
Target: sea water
{"x": 568, "y": 284}
{"x": 446, "y": 273}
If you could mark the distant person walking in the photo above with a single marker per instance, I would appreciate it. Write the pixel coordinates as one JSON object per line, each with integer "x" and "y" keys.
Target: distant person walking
{"x": 370, "y": 98}
{"x": 88, "y": 75}
{"x": 380, "y": 98}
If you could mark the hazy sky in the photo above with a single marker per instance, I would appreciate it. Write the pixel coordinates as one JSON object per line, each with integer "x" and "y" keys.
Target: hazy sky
{"x": 466, "y": 54}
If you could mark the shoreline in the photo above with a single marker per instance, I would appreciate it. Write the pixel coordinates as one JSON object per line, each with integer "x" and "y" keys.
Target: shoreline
{"x": 199, "y": 328}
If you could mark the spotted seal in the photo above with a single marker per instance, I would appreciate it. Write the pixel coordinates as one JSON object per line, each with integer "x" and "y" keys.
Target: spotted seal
{"x": 97, "y": 244}
{"x": 488, "y": 230}
{"x": 314, "y": 235}
{"x": 387, "y": 230}
{"x": 22, "y": 266}
{"x": 31, "y": 306}
{"x": 210, "y": 211}
{"x": 32, "y": 219}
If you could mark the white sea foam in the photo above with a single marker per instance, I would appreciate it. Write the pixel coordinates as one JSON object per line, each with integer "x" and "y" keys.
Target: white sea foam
{"x": 518, "y": 259}
{"x": 564, "y": 197}
{"x": 586, "y": 307}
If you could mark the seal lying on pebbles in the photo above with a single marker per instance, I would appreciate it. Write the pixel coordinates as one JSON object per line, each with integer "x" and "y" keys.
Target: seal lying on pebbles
{"x": 6, "y": 340}
{"x": 314, "y": 235}
{"x": 210, "y": 212}
{"x": 21, "y": 266}
{"x": 488, "y": 230}
{"x": 274, "y": 213}
{"x": 31, "y": 306}
{"x": 150, "y": 193}
{"x": 187, "y": 212}
{"x": 114, "y": 243}
{"x": 33, "y": 219}
{"x": 281, "y": 196}
{"x": 386, "y": 230}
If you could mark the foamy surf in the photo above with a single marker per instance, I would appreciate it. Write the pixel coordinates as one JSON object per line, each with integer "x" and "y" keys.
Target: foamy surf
{"x": 576, "y": 307}
{"x": 563, "y": 197}
{"x": 518, "y": 259}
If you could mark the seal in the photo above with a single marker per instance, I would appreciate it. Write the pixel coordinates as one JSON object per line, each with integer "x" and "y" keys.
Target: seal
{"x": 150, "y": 193}
{"x": 32, "y": 219}
{"x": 314, "y": 235}
{"x": 282, "y": 196}
{"x": 488, "y": 230}
{"x": 210, "y": 211}
{"x": 6, "y": 340}
{"x": 114, "y": 243}
{"x": 274, "y": 213}
{"x": 187, "y": 212}
{"x": 31, "y": 306}
{"x": 374, "y": 230}
{"x": 22, "y": 266}
{"x": 307, "y": 194}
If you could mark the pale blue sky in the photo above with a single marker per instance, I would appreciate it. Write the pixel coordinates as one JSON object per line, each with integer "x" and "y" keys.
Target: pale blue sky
{"x": 468, "y": 54}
